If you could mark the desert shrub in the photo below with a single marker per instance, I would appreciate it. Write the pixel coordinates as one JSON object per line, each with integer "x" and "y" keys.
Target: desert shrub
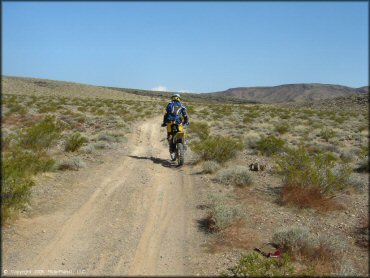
{"x": 16, "y": 192}
{"x": 356, "y": 183}
{"x": 248, "y": 120}
{"x": 217, "y": 148}
{"x": 47, "y": 108}
{"x": 6, "y": 140}
{"x": 221, "y": 214}
{"x": 364, "y": 151}
{"x": 80, "y": 119}
{"x": 327, "y": 134}
{"x": 41, "y": 135}
{"x": 300, "y": 169}
{"x": 251, "y": 115}
{"x": 74, "y": 142}
{"x": 101, "y": 145}
{"x": 74, "y": 163}
{"x": 363, "y": 166}
{"x": 82, "y": 108}
{"x": 108, "y": 138}
{"x": 251, "y": 140}
{"x": 25, "y": 163}
{"x": 292, "y": 240}
{"x": 210, "y": 166}
{"x": 346, "y": 156}
{"x": 363, "y": 127}
{"x": 255, "y": 265}
{"x": 200, "y": 129}
{"x": 282, "y": 128}
{"x": 118, "y": 135}
{"x": 88, "y": 149}
{"x": 235, "y": 175}
{"x": 18, "y": 109}
{"x": 270, "y": 145}
{"x": 314, "y": 251}
{"x": 308, "y": 197}
{"x": 18, "y": 167}
{"x": 346, "y": 269}
{"x": 224, "y": 215}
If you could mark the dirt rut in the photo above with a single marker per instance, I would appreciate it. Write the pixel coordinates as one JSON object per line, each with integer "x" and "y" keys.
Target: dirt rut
{"x": 133, "y": 217}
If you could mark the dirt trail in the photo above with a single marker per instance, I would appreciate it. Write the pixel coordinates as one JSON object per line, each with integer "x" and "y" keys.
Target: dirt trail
{"x": 131, "y": 217}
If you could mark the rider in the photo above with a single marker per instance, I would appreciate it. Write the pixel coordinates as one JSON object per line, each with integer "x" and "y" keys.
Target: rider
{"x": 175, "y": 112}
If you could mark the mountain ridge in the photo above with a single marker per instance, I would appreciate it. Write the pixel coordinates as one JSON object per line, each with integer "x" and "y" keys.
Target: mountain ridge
{"x": 299, "y": 92}
{"x": 291, "y": 92}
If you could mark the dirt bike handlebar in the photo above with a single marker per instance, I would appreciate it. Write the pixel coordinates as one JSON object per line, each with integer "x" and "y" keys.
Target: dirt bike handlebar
{"x": 184, "y": 125}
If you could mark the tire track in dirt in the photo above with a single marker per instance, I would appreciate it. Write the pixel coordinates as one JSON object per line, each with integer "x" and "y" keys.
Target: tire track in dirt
{"x": 136, "y": 222}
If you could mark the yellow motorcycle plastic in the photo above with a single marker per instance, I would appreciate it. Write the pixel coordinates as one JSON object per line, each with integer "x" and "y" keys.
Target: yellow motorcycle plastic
{"x": 178, "y": 137}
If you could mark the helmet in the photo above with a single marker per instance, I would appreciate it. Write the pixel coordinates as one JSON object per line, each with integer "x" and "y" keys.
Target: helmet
{"x": 176, "y": 97}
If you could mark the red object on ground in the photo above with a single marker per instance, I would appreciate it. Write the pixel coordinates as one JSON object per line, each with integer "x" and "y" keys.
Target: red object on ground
{"x": 276, "y": 254}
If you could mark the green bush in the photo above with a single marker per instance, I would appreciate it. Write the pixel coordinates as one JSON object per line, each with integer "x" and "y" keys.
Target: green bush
{"x": 270, "y": 145}
{"x": 235, "y": 175}
{"x": 18, "y": 167}
{"x": 47, "y": 108}
{"x": 74, "y": 142}
{"x": 282, "y": 128}
{"x": 25, "y": 163}
{"x": 217, "y": 148}
{"x": 19, "y": 109}
{"x": 327, "y": 134}
{"x": 200, "y": 129}
{"x": 300, "y": 169}
{"x": 254, "y": 264}
{"x": 16, "y": 192}
{"x": 41, "y": 135}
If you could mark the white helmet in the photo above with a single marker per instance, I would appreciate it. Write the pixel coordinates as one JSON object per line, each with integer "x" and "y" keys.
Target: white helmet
{"x": 176, "y": 97}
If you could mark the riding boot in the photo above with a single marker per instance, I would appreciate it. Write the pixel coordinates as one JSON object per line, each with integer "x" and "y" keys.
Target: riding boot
{"x": 170, "y": 147}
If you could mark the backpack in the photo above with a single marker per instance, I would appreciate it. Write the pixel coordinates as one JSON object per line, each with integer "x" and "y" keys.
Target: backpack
{"x": 173, "y": 111}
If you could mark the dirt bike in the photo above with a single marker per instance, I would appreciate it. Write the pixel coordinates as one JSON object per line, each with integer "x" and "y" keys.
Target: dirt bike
{"x": 177, "y": 142}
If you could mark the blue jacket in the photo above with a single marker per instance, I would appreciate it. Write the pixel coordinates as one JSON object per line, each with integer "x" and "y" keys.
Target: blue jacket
{"x": 175, "y": 111}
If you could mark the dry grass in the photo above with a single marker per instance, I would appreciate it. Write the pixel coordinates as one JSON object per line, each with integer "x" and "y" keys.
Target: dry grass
{"x": 361, "y": 234}
{"x": 236, "y": 236}
{"x": 309, "y": 197}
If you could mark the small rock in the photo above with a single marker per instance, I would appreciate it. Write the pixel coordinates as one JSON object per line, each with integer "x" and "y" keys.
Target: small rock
{"x": 44, "y": 231}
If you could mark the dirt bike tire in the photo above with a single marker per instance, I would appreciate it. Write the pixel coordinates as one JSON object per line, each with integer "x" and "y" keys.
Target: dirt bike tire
{"x": 181, "y": 154}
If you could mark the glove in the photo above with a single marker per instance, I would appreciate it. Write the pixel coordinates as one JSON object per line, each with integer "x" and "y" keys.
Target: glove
{"x": 186, "y": 124}
{"x": 163, "y": 125}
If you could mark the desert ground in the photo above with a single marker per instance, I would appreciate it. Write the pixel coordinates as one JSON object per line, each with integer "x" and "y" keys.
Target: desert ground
{"x": 89, "y": 188}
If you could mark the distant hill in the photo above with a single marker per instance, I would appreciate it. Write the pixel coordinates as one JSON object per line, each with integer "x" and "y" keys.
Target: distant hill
{"x": 290, "y": 92}
{"x": 46, "y": 87}
{"x": 277, "y": 94}
{"x": 353, "y": 103}
{"x": 38, "y": 86}
{"x": 201, "y": 97}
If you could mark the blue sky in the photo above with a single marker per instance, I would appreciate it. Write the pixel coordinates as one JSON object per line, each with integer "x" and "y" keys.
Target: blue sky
{"x": 179, "y": 46}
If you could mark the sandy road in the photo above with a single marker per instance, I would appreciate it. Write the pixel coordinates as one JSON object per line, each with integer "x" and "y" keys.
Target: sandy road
{"x": 134, "y": 219}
